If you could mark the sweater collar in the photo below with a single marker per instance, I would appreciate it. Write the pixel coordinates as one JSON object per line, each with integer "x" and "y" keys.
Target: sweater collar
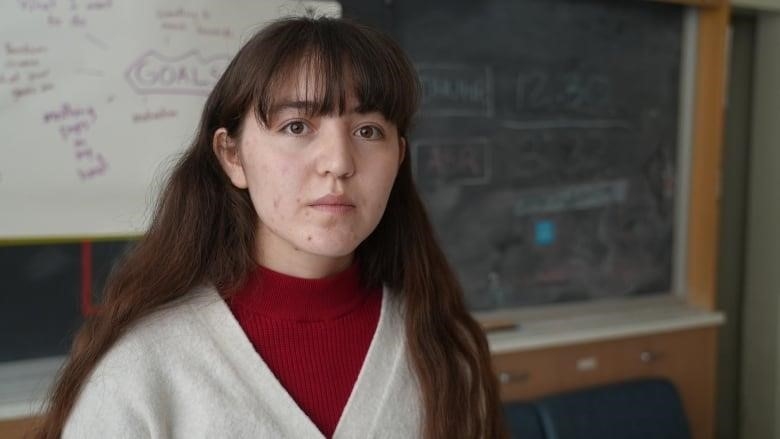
{"x": 281, "y": 296}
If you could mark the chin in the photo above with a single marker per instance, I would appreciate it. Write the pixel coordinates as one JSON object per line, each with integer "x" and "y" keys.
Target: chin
{"x": 331, "y": 248}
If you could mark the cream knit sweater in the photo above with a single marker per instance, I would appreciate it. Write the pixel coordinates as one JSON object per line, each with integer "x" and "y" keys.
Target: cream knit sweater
{"x": 190, "y": 372}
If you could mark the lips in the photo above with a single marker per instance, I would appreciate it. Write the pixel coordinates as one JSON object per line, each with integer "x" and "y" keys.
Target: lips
{"x": 333, "y": 203}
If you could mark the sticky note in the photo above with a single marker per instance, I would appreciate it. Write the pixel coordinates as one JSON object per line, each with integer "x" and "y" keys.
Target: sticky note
{"x": 544, "y": 233}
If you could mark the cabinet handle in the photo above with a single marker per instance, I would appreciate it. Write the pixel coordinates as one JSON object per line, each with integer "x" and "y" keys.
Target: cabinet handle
{"x": 508, "y": 377}
{"x": 648, "y": 357}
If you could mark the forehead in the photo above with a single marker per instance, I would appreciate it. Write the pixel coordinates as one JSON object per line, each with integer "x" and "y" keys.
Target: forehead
{"x": 310, "y": 91}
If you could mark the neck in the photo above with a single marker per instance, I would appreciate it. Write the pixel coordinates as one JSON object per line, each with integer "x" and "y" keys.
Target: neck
{"x": 305, "y": 266}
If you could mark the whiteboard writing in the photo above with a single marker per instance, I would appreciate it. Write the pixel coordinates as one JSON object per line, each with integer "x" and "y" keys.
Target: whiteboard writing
{"x": 183, "y": 20}
{"x": 149, "y": 116}
{"x": 25, "y": 70}
{"x": 73, "y": 124}
{"x": 188, "y": 73}
{"x": 70, "y": 13}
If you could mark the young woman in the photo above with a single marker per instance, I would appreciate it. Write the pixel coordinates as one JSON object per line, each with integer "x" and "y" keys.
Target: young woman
{"x": 289, "y": 284}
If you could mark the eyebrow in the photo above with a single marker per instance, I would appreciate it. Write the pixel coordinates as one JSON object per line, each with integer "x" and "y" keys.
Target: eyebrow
{"x": 304, "y": 105}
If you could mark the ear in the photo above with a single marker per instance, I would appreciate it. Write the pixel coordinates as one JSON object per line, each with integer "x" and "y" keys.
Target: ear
{"x": 401, "y": 149}
{"x": 226, "y": 150}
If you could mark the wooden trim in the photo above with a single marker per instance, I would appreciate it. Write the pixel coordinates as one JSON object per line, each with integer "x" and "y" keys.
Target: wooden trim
{"x": 708, "y": 126}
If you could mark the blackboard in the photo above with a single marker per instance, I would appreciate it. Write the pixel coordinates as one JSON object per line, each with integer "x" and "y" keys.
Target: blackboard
{"x": 46, "y": 292}
{"x": 545, "y": 150}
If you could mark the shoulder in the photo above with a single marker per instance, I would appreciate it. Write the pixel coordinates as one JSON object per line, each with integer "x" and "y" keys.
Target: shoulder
{"x": 129, "y": 389}
{"x": 161, "y": 334}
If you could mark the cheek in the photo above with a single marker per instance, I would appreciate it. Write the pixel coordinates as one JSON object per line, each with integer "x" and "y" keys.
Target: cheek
{"x": 382, "y": 183}
{"x": 276, "y": 192}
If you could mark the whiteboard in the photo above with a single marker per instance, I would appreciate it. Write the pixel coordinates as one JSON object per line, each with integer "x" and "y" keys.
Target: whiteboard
{"x": 98, "y": 98}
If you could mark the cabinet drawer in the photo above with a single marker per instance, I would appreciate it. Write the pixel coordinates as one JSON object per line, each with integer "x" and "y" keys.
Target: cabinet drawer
{"x": 525, "y": 375}
{"x": 586, "y": 365}
{"x": 674, "y": 354}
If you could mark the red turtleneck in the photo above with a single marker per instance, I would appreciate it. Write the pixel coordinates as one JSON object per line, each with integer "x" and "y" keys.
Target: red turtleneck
{"x": 312, "y": 333}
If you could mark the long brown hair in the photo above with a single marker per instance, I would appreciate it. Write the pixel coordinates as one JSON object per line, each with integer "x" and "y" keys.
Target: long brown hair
{"x": 203, "y": 227}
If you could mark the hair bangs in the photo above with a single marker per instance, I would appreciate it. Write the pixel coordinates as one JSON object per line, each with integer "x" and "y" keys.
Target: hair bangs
{"x": 321, "y": 62}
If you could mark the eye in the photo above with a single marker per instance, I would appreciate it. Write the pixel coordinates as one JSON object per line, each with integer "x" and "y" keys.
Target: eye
{"x": 296, "y": 128}
{"x": 369, "y": 132}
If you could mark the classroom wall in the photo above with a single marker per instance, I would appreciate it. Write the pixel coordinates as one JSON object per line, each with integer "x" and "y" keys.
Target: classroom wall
{"x": 736, "y": 149}
{"x": 760, "y": 392}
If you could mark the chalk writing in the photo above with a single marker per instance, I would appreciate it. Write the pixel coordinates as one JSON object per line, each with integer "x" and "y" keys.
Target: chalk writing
{"x": 582, "y": 93}
{"x": 462, "y": 161}
{"x": 568, "y": 153}
{"x": 451, "y": 90}
{"x": 564, "y": 123}
{"x": 578, "y": 197}
{"x": 660, "y": 175}
{"x": 189, "y": 73}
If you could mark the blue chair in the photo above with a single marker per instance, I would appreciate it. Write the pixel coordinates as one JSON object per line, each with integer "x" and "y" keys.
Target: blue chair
{"x": 523, "y": 421}
{"x": 645, "y": 409}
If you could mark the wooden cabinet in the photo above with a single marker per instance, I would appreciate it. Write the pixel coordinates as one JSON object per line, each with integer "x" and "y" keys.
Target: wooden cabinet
{"x": 17, "y": 428}
{"x": 686, "y": 357}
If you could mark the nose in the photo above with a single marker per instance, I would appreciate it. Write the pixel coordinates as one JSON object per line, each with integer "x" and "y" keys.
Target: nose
{"x": 335, "y": 151}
